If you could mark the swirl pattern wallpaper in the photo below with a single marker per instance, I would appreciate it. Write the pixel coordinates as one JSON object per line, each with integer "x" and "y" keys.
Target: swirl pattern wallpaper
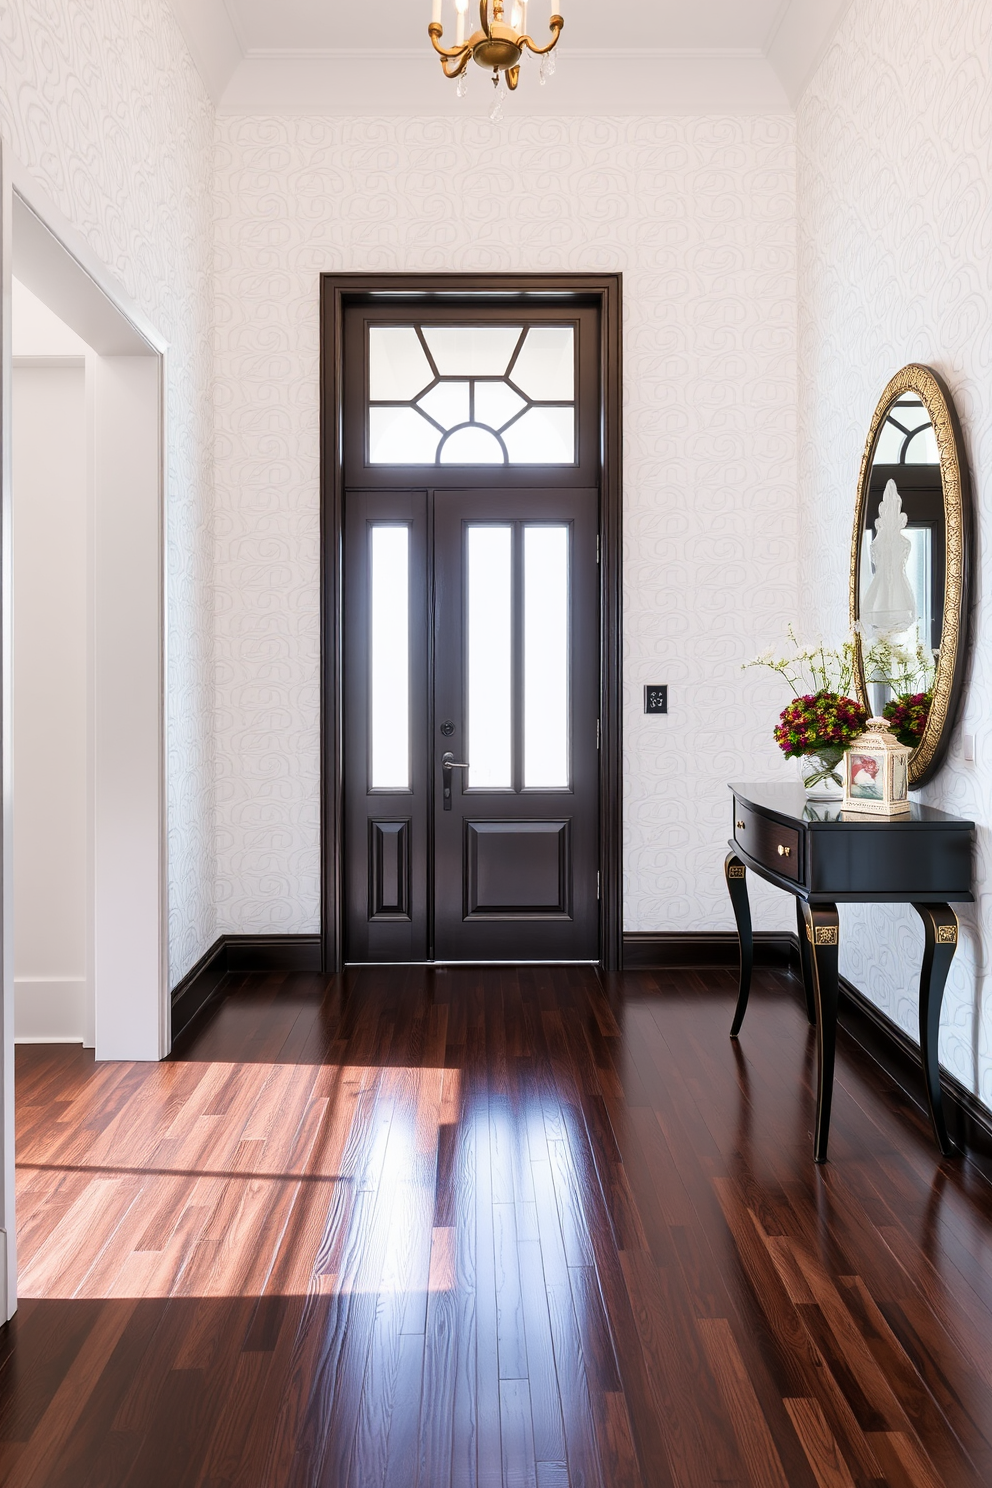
{"x": 100, "y": 101}
{"x": 699, "y": 215}
{"x": 894, "y": 186}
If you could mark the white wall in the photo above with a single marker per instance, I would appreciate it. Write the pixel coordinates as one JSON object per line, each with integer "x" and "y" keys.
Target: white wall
{"x": 698, "y": 213}
{"x": 52, "y": 909}
{"x": 102, "y": 104}
{"x": 895, "y": 207}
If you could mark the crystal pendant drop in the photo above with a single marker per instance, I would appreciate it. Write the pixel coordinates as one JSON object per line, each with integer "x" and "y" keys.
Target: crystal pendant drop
{"x": 496, "y": 112}
{"x": 551, "y": 64}
{"x": 462, "y": 87}
{"x": 543, "y": 72}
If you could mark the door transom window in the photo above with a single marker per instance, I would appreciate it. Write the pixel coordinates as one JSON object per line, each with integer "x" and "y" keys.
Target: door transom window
{"x": 471, "y": 395}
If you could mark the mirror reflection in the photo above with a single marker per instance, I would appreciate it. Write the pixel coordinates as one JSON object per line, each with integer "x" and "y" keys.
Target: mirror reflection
{"x": 902, "y": 560}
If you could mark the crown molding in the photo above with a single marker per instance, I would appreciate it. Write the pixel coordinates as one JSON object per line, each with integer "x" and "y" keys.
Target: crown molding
{"x": 416, "y": 54}
{"x": 374, "y": 82}
{"x": 586, "y": 84}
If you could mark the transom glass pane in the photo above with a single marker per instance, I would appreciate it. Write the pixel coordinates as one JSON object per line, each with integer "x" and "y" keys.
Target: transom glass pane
{"x": 546, "y": 656}
{"x": 401, "y": 436}
{"x": 542, "y": 436}
{"x": 471, "y": 351}
{"x": 496, "y": 403}
{"x": 545, "y": 368}
{"x": 398, "y": 365}
{"x": 447, "y": 403}
{"x": 489, "y": 696}
{"x": 389, "y": 656}
{"x": 504, "y": 393}
{"x": 472, "y": 446}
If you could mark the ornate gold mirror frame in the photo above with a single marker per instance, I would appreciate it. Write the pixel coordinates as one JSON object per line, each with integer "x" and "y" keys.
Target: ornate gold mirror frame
{"x": 928, "y": 755}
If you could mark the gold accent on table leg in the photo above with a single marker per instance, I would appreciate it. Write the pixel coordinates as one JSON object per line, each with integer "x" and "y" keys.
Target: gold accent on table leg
{"x": 736, "y": 871}
{"x": 947, "y": 934}
{"x": 822, "y": 928}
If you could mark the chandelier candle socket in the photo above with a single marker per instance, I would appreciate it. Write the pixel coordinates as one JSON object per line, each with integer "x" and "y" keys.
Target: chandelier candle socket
{"x": 497, "y": 45}
{"x": 876, "y": 773}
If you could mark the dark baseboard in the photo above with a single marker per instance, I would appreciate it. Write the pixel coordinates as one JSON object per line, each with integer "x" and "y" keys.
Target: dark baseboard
{"x": 199, "y": 986}
{"x": 704, "y": 950}
{"x": 273, "y": 952}
{"x": 969, "y": 1120}
{"x": 239, "y": 953}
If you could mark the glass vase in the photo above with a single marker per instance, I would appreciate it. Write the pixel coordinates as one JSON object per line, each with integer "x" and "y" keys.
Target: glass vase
{"x": 822, "y": 775}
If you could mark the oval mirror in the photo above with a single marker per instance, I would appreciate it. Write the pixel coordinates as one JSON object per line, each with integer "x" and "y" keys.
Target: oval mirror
{"x": 910, "y": 566}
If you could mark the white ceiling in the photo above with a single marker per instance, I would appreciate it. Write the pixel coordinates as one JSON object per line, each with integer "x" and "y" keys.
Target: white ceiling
{"x": 628, "y": 57}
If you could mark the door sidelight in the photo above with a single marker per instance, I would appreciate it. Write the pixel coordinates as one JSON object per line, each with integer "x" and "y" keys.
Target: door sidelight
{"x": 449, "y": 763}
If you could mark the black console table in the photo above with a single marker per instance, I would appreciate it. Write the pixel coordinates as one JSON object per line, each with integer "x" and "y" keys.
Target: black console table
{"x": 810, "y": 849}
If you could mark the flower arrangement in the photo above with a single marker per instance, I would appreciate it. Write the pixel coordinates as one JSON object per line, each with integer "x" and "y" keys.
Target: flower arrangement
{"x": 813, "y": 669}
{"x": 822, "y": 718}
{"x": 822, "y": 721}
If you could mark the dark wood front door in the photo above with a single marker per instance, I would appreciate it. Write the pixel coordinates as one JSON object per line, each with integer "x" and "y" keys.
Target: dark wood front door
{"x": 471, "y": 646}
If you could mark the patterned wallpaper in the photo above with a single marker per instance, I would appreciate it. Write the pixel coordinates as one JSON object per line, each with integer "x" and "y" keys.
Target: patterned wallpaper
{"x": 100, "y": 101}
{"x": 699, "y": 214}
{"x": 894, "y": 185}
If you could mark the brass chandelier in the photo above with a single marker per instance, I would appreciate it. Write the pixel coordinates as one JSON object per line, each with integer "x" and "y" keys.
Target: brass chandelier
{"x": 496, "y": 45}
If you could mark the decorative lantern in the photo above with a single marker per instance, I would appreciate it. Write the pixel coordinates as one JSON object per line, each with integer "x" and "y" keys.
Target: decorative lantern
{"x": 876, "y": 773}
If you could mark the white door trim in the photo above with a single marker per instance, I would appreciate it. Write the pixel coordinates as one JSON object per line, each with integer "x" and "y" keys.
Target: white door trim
{"x": 56, "y": 263}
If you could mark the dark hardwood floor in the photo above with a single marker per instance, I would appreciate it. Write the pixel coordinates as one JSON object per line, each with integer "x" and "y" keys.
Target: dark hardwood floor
{"x": 493, "y": 1227}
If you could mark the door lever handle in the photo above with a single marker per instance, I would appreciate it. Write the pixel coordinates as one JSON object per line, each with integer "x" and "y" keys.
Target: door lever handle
{"x": 449, "y": 763}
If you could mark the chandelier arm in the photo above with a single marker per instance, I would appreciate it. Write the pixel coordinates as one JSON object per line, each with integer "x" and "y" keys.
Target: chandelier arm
{"x": 435, "y": 31}
{"x": 456, "y": 70}
{"x": 539, "y": 51}
{"x": 484, "y": 17}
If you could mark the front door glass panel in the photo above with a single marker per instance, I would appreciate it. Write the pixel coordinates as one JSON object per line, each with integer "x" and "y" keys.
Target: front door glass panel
{"x": 389, "y": 656}
{"x": 546, "y": 660}
{"x": 489, "y": 656}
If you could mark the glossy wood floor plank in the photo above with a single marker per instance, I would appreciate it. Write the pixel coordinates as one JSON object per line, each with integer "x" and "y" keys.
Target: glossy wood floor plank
{"x": 491, "y": 1228}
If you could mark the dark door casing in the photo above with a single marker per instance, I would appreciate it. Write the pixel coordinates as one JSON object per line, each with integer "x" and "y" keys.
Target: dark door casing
{"x": 445, "y": 869}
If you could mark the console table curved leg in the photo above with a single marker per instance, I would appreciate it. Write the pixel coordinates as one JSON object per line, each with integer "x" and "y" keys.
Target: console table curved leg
{"x": 940, "y": 927}
{"x": 805, "y": 958}
{"x": 737, "y": 888}
{"x": 822, "y": 930}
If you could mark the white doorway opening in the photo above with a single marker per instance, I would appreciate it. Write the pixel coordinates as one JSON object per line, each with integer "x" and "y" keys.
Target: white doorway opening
{"x": 82, "y": 613}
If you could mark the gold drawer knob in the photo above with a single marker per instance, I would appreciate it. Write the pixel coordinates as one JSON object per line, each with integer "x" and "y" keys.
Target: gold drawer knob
{"x": 784, "y": 852}
{"x": 740, "y": 825}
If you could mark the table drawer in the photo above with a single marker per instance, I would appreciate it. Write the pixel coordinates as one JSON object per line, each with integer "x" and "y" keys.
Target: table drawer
{"x": 773, "y": 846}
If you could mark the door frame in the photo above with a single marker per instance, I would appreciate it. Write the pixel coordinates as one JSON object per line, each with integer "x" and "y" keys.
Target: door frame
{"x": 127, "y": 705}
{"x": 337, "y": 292}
